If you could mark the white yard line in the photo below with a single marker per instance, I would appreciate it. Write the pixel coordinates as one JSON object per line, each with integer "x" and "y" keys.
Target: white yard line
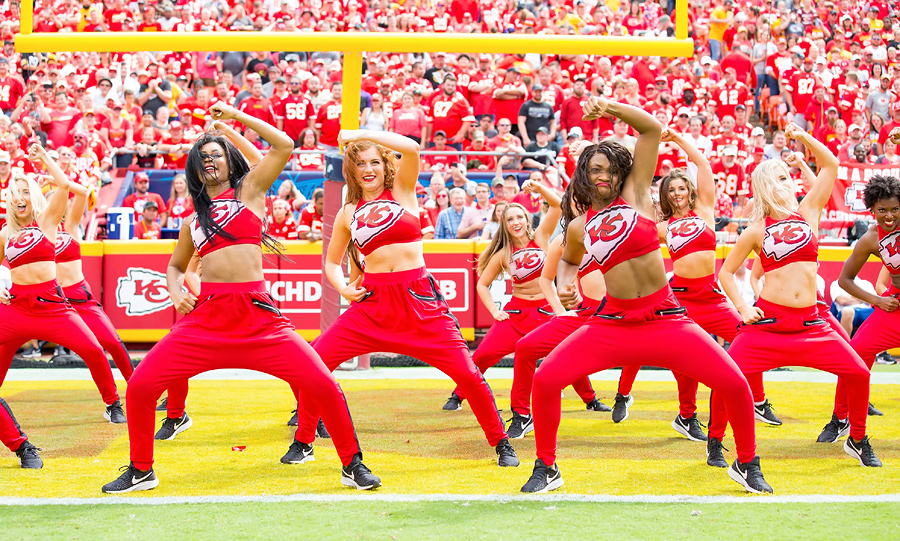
{"x": 415, "y": 498}
{"x": 83, "y": 374}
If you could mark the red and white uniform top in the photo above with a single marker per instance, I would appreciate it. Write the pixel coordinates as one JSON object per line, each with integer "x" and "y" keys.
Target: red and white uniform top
{"x": 29, "y": 245}
{"x": 525, "y": 264}
{"x": 788, "y": 241}
{"x": 687, "y": 235}
{"x": 616, "y": 234}
{"x": 889, "y": 249}
{"x": 381, "y": 222}
{"x": 310, "y": 220}
{"x": 67, "y": 248}
{"x": 286, "y": 230}
{"x": 234, "y": 218}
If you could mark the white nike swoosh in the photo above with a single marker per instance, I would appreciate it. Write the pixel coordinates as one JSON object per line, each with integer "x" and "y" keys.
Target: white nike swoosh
{"x": 135, "y": 480}
{"x": 743, "y": 473}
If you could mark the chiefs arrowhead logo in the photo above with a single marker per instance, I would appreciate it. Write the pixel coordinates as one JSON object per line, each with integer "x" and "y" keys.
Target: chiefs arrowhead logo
{"x": 889, "y": 249}
{"x": 372, "y": 218}
{"x": 607, "y": 230}
{"x": 682, "y": 231}
{"x": 26, "y": 239}
{"x": 63, "y": 240}
{"x": 786, "y": 237}
{"x": 525, "y": 263}
{"x": 142, "y": 292}
{"x": 222, "y": 211}
{"x": 853, "y": 197}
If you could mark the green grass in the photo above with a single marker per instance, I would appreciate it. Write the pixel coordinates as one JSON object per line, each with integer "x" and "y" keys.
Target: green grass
{"x": 454, "y": 520}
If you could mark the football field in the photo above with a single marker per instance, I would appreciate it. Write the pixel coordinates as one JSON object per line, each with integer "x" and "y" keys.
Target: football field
{"x": 639, "y": 478}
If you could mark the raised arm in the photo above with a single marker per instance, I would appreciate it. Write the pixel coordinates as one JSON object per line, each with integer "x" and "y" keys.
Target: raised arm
{"x": 76, "y": 211}
{"x": 253, "y": 155}
{"x": 548, "y": 224}
{"x": 646, "y": 148}
{"x": 408, "y": 173}
{"x": 261, "y": 178}
{"x": 814, "y": 202}
{"x": 706, "y": 187}
{"x": 56, "y": 206}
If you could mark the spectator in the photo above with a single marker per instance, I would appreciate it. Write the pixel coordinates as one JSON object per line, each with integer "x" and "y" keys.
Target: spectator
{"x": 141, "y": 196}
{"x": 480, "y": 162}
{"x": 878, "y": 101}
{"x": 570, "y": 114}
{"x": 774, "y": 149}
{"x": 154, "y": 92}
{"x": 295, "y": 112}
{"x": 440, "y": 162}
{"x": 508, "y": 97}
{"x": 477, "y": 215}
{"x": 313, "y": 161}
{"x": 60, "y": 120}
{"x": 450, "y": 112}
{"x": 118, "y": 135}
{"x": 180, "y": 205}
{"x": 374, "y": 118}
{"x": 493, "y": 224}
{"x": 409, "y": 119}
{"x": 11, "y": 88}
{"x": 280, "y": 223}
{"x": 328, "y": 120}
{"x": 547, "y": 150}
{"x": 310, "y": 223}
{"x": 147, "y": 228}
{"x": 424, "y": 216}
{"x": 441, "y": 203}
{"x": 849, "y": 310}
{"x": 449, "y": 219}
{"x": 288, "y": 192}
{"x": 258, "y": 106}
{"x": 535, "y": 114}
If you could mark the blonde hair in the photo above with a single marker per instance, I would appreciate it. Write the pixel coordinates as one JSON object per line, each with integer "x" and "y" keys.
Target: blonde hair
{"x": 763, "y": 181}
{"x": 11, "y": 194}
{"x": 502, "y": 243}
{"x": 351, "y": 156}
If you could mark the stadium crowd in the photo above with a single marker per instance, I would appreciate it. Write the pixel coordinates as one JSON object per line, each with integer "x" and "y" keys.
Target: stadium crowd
{"x": 831, "y": 67}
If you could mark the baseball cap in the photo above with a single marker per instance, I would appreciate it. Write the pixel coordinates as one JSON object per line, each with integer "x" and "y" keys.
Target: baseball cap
{"x": 140, "y": 177}
{"x": 470, "y": 187}
{"x": 757, "y": 131}
{"x": 740, "y": 106}
{"x": 706, "y": 60}
{"x": 575, "y": 131}
{"x": 853, "y": 127}
{"x": 830, "y": 109}
{"x": 478, "y": 136}
{"x": 759, "y": 150}
{"x": 4, "y": 60}
{"x": 4, "y": 156}
{"x": 442, "y": 133}
{"x": 484, "y": 57}
{"x": 292, "y": 58}
{"x": 895, "y": 106}
{"x": 536, "y": 87}
{"x": 498, "y": 181}
{"x": 543, "y": 129}
{"x": 729, "y": 150}
{"x": 683, "y": 111}
{"x": 175, "y": 125}
{"x": 151, "y": 205}
{"x": 420, "y": 189}
{"x": 855, "y": 57}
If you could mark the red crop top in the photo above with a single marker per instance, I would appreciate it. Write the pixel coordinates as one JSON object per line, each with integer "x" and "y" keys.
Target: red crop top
{"x": 234, "y": 218}
{"x": 587, "y": 266}
{"x": 889, "y": 249}
{"x": 29, "y": 245}
{"x": 688, "y": 235}
{"x": 67, "y": 248}
{"x": 788, "y": 241}
{"x": 381, "y": 222}
{"x": 616, "y": 234}
{"x": 527, "y": 263}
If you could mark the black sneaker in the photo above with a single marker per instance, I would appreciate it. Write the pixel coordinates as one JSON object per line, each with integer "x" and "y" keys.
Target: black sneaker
{"x": 596, "y": 405}
{"x": 163, "y": 404}
{"x": 506, "y": 455}
{"x": 764, "y": 413}
{"x": 884, "y": 358}
{"x": 620, "y": 410}
{"x": 454, "y": 403}
{"x": 874, "y": 412}
{"x": 298, "y": 453}
{"x": 689, "y": 428}
{"x": 520, "y": 425}
{"x": 114, "y": 413}
{"x": 29, "y": 457}
{"x": 172, "y": 427}
{"x": 132, "y": 479}
{"x": 749, "y": 476}
{"x": 30, "y": 352}
{"x": 358, "y": 476}
{"x": 834, "y": 430}
{"x": 862, "y": 451}
{"x": 321, "y": 431}
{"x": 293, "y": 420}
{"x": 714, "y": 456}
{"x": 543, "y": 479}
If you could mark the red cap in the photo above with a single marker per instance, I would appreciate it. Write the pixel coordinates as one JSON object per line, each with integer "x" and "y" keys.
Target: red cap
{"x": 141, "y": 177}
{"x": 175, "y": 125}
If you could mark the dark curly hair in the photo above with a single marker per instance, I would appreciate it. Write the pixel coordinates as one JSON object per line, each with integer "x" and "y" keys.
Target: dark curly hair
{"x": 666, "y": 204}
{"x": 880, "y": 187}
{"x": 582, "y": 193}
{"x": 237, "y": 171}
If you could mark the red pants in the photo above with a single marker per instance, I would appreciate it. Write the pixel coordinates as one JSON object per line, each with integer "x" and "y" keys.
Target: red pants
{"x": 502, "y": 337}
{"x": 709, "y": 308}
{"x": 234, "y": 325}
{"x": 796, "y": 336}
{"x": 404, "y": 313}
{"x": 538, "y": 344}
{"x": 627, "y": 333}
{"x": 82, "y": 300}
{"x": 879, "y": 332}
{"x": 10, "y": 432}
{"x": 40, "y": 311}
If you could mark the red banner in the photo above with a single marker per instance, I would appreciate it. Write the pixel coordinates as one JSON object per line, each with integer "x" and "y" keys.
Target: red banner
{"x": 846, "y": 203}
